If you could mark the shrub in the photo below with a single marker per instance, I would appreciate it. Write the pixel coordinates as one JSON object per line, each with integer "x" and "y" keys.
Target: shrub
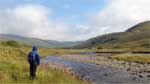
{"x": 10, "y": 43}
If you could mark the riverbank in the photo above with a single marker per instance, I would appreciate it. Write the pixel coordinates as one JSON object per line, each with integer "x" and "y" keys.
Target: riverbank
{"x": 102, "y": 69}
{"x": 139, "y": 71}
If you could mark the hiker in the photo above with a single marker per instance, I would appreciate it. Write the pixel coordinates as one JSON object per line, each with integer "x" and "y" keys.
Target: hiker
{"x": 34, "y": 61}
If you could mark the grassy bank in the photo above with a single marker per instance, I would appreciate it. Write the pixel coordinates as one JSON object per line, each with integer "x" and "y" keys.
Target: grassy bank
{"x": 140, "y": 58}
{"x": 49, "y": 51}
{"x": 14, "y": 68}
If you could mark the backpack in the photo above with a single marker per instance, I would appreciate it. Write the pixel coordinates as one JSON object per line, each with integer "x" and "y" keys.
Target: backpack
{"x": 32, "y": 57}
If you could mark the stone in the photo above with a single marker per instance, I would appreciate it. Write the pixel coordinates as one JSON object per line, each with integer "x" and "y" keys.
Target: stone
{"x": 134, "y": 78}
{"x": 148, "y": 76}
{"x": 105, "y": 74}
{"x": 148, "y": 71}
{"x": 140, "y": 76}
{"x": 128, "y": 69}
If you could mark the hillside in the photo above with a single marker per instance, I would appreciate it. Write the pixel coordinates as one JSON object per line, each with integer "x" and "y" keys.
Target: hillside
{"x": 137, "y": 36}
{"x": 14, "y": 67}
{"x": 36, "y": 41}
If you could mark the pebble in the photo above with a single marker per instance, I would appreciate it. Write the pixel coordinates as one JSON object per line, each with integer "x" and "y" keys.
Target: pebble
{"x": 148, "y": 76}
{"x": 105, "y": 74}
{"x": 140, "y": 76}
{"x": 134, "y": 78}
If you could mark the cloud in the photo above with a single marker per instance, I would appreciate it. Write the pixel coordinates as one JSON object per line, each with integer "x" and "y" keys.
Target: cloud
{"x": 120, "y": 15}
{"x": 24, "y": 20}
{"x": 36, "y": 20}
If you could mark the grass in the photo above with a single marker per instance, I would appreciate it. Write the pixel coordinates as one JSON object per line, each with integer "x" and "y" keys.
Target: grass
{"x": 139, "y": 58}
{"x": 51, "y": 51}
{"x": 111, "y": 50}
{"x": 14, "y": 68}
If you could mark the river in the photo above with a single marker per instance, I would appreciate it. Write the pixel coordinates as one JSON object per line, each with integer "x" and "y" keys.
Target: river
{"x": 92, "y": 72}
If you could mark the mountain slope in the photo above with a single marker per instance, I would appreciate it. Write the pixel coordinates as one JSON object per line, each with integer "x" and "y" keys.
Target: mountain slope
{"x": 137, "y": 36}
{"x": 36, "y": 41}
{"x": 144, "y": 27}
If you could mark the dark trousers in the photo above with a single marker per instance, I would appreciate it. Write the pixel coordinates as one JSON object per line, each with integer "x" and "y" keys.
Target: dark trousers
{"x": 33, "y": 68}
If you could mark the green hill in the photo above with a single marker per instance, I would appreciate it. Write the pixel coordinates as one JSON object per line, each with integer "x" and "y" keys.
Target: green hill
{"x": 137, "y": 36}
{"x": 36, "y": 41}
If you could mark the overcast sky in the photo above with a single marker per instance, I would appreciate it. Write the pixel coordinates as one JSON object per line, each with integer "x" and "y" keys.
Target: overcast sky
{"x": 70, "y": 20}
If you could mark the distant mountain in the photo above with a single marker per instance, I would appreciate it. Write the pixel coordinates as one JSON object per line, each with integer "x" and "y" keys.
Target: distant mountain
{"x": 37, "y": 42}
{"x": 136, "y": 36}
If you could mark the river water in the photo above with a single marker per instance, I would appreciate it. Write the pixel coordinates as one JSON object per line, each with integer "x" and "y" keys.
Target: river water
{"x": 92, "y": 72}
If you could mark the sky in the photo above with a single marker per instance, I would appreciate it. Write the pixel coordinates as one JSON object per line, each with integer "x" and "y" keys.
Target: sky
{"x": 70, "y": 20}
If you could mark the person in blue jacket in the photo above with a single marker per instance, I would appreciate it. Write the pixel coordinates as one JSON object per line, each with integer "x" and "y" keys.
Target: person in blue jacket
{"x": 34, "y": 61}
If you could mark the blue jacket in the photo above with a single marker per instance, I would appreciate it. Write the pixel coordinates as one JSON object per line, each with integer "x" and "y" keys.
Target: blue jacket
{"x": 37, "y": 57}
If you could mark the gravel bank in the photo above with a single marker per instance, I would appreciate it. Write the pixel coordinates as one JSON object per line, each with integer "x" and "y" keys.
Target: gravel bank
{"x": 101, "y": 70}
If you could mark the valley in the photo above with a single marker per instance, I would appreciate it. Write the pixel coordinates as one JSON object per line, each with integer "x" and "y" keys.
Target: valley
{"x": 115, "y": 58}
